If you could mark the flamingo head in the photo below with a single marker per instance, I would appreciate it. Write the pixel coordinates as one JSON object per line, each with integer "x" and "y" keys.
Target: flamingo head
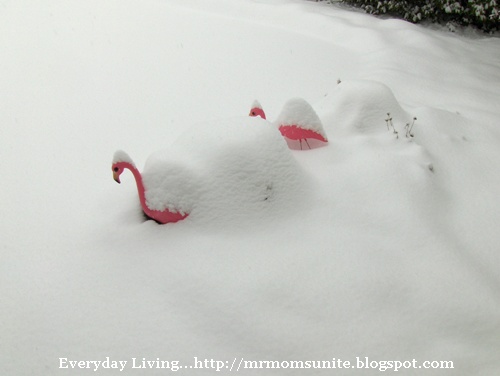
{"x": 121, "y": 160}
{"x": 117, "y": 171}
{"x": 257, "y": 110}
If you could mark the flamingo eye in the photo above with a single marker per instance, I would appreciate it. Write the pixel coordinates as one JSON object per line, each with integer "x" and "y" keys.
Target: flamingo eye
{"x": 253, "y": 113}
{"x": 115, "y": 169}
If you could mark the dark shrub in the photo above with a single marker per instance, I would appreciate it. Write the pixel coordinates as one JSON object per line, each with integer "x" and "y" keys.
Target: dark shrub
{"x": 484, "y": 14}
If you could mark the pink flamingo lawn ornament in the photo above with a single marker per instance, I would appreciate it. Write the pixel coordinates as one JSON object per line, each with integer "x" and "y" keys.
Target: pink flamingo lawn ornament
{"x": 257, "y": 110}
{"x": 297, "y": 121}
{"x": 122, "y": 161}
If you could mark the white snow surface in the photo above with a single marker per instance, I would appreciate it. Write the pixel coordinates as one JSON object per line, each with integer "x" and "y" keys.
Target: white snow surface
{"x": 298, "y": 112}
{"x": 376, "y": 245}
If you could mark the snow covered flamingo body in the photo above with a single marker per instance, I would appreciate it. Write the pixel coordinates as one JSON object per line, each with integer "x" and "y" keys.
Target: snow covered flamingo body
{"x": 122, "y": 161}
{"x": 297, "y": 121}
{"x": 219, "y": 172}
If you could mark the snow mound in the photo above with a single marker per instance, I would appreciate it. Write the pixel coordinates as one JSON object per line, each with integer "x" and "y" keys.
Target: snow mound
{"x": 298, "y": 112}
{"x": 361, "y": 106}
{"x": 225, "y": 169}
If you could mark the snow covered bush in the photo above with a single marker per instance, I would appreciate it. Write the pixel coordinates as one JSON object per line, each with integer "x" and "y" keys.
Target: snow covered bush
{"x": 484, "y": 14}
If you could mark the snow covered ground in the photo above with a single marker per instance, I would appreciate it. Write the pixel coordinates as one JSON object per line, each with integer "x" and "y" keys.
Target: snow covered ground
{"x": 390, "y": 250}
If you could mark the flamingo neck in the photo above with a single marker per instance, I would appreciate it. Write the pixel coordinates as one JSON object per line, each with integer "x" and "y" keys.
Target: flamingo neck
{"x": 140, "y": 186}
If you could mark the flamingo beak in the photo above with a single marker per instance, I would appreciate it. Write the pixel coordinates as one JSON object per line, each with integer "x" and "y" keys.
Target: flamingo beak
{"x": 116, "y": 176}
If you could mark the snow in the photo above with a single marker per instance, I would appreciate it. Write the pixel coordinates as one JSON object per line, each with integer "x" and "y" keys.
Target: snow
{"x": 121, "y": 156}
{"x": 357, "y": 106}
{"x": 170, "y": 182}
{"x": 375, "y": 245}
{"x": 256, "y": 104}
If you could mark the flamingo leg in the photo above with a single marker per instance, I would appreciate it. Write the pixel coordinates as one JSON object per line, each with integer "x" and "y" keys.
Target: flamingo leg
{"x": 305, "y": 139}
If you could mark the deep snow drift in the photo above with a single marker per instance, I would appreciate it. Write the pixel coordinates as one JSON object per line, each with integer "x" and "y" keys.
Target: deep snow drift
{"x": 374, "y": 245}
